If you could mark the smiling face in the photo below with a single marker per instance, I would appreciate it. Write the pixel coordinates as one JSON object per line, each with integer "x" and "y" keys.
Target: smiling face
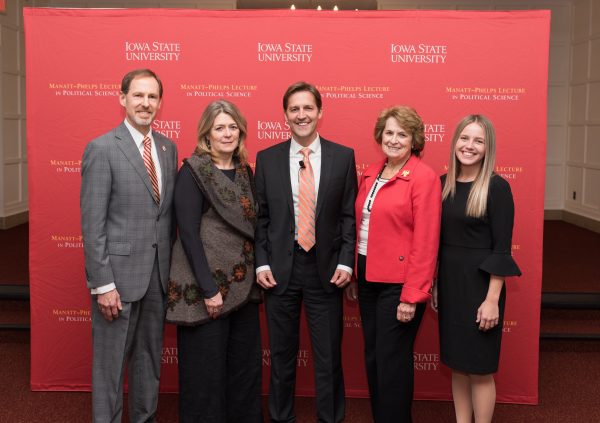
{"x": 141, "y": 102}
{"x": 224, "y": 136}
{"x": 470, "y": 148}
{"x": 396, "y": 142}
{"x": 302, "y": 115}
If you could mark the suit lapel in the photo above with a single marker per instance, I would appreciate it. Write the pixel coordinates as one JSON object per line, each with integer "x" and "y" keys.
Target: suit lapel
{"x": 162, "y": 150}
{"x": 326, "y": 165}
{"x": 127, "y": 145}
{"x": 284, "y": 169}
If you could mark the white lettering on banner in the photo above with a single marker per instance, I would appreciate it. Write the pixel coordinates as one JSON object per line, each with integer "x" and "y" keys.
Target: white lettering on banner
{"x": 284, "y": 52}
{"x": 488, "y": 97}
{"x": 420, "y": 53}
{"x": 302, "y": 358}
{"x": 345, "y": 92}
{"x": 169, "y": 355}
{"x": 169, "y": 128}
{"x": 67, "y": 241}
{"x": 426, "y": 361}
{"x": 236, "y": 90}
{"x": 72, "y": 315}
{"x": 84, "y": 89}
{"x": 153, "y": 51}
{"x": 435, "y": 132}
{"x": 486, "y": 93}
{"x": 273, "y": 130}
{"x": 66, "y": 166}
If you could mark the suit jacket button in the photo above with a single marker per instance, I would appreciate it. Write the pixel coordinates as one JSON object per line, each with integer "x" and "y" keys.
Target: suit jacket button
{"x": 154, "y": 245}
{"x": 401, "y": 258}
{"x": 157, "y": 218}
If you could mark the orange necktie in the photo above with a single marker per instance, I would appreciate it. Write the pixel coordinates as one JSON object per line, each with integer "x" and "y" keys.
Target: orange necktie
{"x": 307, "y": 202}
{"x": 151, "y": 169}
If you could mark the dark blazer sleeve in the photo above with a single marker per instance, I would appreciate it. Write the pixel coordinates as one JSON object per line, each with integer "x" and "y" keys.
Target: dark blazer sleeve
{"x": 348, "y": 217}
{"x": 189, "y": 203}
{"x": 260, "y": 236}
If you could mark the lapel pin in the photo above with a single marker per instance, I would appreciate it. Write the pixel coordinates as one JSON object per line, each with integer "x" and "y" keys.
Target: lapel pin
{"x": 405, "y": 173}
{"x": 164, "y": 148}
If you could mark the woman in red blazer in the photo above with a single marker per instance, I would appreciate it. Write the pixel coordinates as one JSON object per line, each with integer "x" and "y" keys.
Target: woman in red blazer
{"x": 398, "y": 225}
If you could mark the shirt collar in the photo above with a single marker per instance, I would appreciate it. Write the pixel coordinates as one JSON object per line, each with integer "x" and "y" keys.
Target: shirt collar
{"x": 137, "y": 136}
{"x": 315, "y": 146}
{"x": 405, "y": 173}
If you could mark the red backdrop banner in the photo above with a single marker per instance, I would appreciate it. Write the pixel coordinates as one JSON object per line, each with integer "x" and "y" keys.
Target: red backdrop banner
{"x": 446, "y": 64}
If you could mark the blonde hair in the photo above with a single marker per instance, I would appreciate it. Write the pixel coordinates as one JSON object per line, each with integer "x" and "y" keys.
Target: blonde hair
{"x": 478, "y": 195}
{"x": 208, "y": 119}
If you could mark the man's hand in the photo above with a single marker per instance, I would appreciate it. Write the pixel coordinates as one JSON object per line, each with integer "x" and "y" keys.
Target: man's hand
{"x": 109, "y": 304}
{"x": 340, "y": 278}
{"x": 266, "y": 279}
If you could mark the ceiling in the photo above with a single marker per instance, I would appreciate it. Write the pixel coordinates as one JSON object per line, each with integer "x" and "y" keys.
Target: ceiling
{"x": 308, "y": 4}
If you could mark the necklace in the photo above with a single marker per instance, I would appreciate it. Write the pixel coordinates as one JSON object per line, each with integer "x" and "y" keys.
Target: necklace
{"x": 392, "y": 171}
{"x": 378, "y": 180}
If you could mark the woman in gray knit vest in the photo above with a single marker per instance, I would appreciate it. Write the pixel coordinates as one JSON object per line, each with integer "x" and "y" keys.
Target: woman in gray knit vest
{"x": 212, "y": 295}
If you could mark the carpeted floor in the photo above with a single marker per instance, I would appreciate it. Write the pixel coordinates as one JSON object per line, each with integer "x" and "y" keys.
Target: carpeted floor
{"x": 569, "y": 374}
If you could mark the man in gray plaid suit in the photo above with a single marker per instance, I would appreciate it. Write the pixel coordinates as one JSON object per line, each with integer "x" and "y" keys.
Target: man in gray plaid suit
{"x": 126, "y": 196}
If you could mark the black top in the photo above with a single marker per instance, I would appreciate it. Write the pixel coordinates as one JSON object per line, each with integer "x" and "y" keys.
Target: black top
{"x": 493, "y": 232}
{"x": 189, "y": 205}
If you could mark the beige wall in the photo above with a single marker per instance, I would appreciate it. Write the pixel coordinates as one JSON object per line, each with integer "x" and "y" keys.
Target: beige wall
{"x": 13, "y": 155}
{"x": 582, "y": 182}
{"x": 573, "y": 147}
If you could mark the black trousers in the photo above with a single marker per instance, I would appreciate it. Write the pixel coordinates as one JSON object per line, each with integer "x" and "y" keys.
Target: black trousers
{"x": 389, "y": 347}
{"x": 220, "y": 369}
{"x": 325, "y": 323}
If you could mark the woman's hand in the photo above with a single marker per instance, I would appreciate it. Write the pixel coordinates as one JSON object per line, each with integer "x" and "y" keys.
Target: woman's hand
{"x": 214, "y": 305}
{"x": 352, "y": 291}
{"x": 434, "y": 296}
{"x": 406, "y": 312}
{"x": 488, "y": 314}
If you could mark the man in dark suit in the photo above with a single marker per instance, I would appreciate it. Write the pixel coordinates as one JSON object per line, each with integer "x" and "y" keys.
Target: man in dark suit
{"x": 305, "y": 240}
{"x": 128, "y": 175}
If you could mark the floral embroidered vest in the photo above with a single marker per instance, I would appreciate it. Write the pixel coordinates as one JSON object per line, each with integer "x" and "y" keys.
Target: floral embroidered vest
{"x": 227, "y": 234}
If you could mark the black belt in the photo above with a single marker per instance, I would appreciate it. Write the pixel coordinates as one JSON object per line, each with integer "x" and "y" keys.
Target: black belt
{"x": 299, "y": 249}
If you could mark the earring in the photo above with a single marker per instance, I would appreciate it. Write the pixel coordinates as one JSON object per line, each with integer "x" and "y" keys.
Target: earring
{"x": 207, "y": 141}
